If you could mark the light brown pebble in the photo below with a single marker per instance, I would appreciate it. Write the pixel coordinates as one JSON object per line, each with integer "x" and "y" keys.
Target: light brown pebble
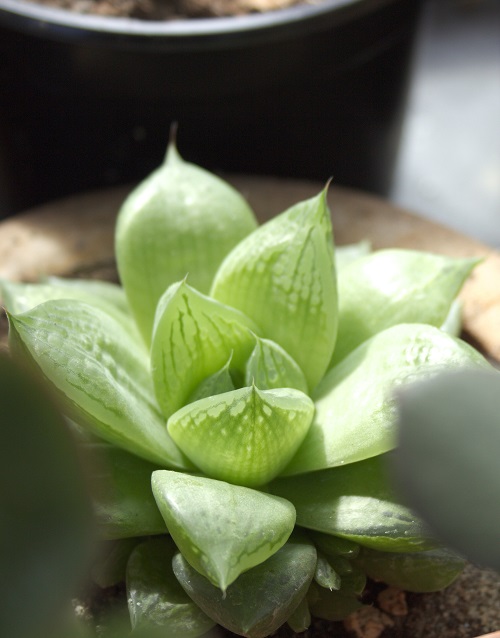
{"x": 393, "y": 601}
{"x": 368, "y": 622}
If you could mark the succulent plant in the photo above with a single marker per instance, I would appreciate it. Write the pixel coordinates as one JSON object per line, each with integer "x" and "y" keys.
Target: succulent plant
{"x": 234, "y": 402}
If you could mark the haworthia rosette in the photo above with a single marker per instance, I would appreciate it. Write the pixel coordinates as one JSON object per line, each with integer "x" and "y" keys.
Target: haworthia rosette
{"x": 221, "y": 529}
{"x": 246, "y": 436}
{"x": 180, "y": 220}
{"x": 194, "y": 337}
{"x": 283, "y": 277}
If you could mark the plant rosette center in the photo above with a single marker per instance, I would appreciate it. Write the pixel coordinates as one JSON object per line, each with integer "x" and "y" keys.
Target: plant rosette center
{"x": 235, "y": 400}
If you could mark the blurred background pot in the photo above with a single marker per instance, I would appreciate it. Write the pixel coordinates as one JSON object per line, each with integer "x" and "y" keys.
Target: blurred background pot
{"x": 311, "y": 91}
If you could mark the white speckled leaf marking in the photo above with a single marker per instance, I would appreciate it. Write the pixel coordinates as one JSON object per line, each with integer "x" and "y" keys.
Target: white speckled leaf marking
{"x": 283, "y": 277}
{"x": 222, "y": 530}
{"x": 246, "y": 436}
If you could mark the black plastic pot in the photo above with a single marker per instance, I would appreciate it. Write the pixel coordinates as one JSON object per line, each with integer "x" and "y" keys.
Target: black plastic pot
{"x": 311, "y": 91}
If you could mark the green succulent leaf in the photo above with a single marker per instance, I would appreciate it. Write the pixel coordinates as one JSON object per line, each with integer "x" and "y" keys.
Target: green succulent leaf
{"x": 222, "y": 530}
{"x": 453, "y": 322}
{"x": 334, "y": 546}
{"x": 246, "y": 436}
{"x": 180, "y": 220}
{"x": 155, "y": 598}
{"x": 269, "y": 367}
{"x": 355, "y": 408}
{"x": 120, "y": 486}
{"x": 217, "y": 383}
{"x": 111, "y": 563}
{"x": 101, "y": 373}
{"x": 194, "y": 336}
{"x": 283, "y": 277}
{"x": 21, "y": 297}
{"x": 300, "y": 620}
{"x": 260, "y": 600}
{"x": 419, "y": 572}
{"x": 356, "y": 502}
{"x": 389, "y": 287}
{"x": 447, "y": 461}
{"x": 325, "y": 575}
{"x": 331, "y": 605}
{"x": 353, "y": 582}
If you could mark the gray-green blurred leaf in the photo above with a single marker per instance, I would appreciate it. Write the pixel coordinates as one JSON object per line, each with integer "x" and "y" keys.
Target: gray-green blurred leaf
{"x": 101, "y": 372}
{"x": 300, "y": 620}
{"x": 155, "y": 598}
{"x": 331, "y": 605}
{"x": 260, "y": 600}
{"x": 217, "y": 383}
{"x": 348, "y": 253}
{"x": 325, "y": 575}
{"x": 448, "y": 459}
{"x": 334, "y": 545}
{"x": 45, "y": 523}
{"x": 109, "y": 569}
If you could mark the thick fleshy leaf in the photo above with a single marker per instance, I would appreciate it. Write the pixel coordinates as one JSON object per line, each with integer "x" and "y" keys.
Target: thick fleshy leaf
{"x": 262, "y": 599}
{"x": 331, "y": 605}
{"x": 453, "y": 322}
{"x": 21, "y": 297}
{"x": 45, "y": 518}
{"x": 269, "y": 366}
{"x": 300, "y": 620}
{"x": 155, "y": 598}
{"x": 448, "y": 462}
{"x": 395, "y": 286}
{"x": 222, "y": 530}
{"x": 283, "y": 277}
{"x": 179, "y": 220}
{"x": 356, "y": 502}
{"x": 194, "y": 336}
{"x": 325, "y": 575}
{"x": 217, "y": 383}
{"x": 120, "y": 486}
{"x": 246, "y": 436}
{"x": 101, "y": 372}
{"x": 419, "y": 572}
{"x": 110, "y": 566}
{"x": 334, "y": 546}
{"x": 355, "y": 409}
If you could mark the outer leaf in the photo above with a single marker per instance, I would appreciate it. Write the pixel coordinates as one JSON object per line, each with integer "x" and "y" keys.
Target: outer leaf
{"x": 283, "y": 277}
{"x": 122, "y": 500}
{"x": 110, "y": 566}
{"x": 21, "y": 297}
{"x": 420, "y": 572}
{"x": 180, "y": 220}
{"x": 355, "y": 502}
{"x": 348, "y": 253}
{"x": 194, "y": 336}
{"x": 448, "y": 461}
{"x": 101, "y": 373}
{"x": 300, "y": 620}
{"x": 155, "y": 598}
{"x": 246, "y": 436}
{"x": 325, "y": 575}
{"x": 355, "y": 413}
{"x": 222, "y": 530}
{"x": 395, "y": 286}
{"x": 269, "y": 366}
{"x": 334, "y": 546}
{"x": 45, "y": 523}
{"x": 261, "y": 599}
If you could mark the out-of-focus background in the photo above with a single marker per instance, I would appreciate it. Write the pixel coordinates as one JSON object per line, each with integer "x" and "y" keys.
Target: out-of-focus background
{"x": 449, "y": 162}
